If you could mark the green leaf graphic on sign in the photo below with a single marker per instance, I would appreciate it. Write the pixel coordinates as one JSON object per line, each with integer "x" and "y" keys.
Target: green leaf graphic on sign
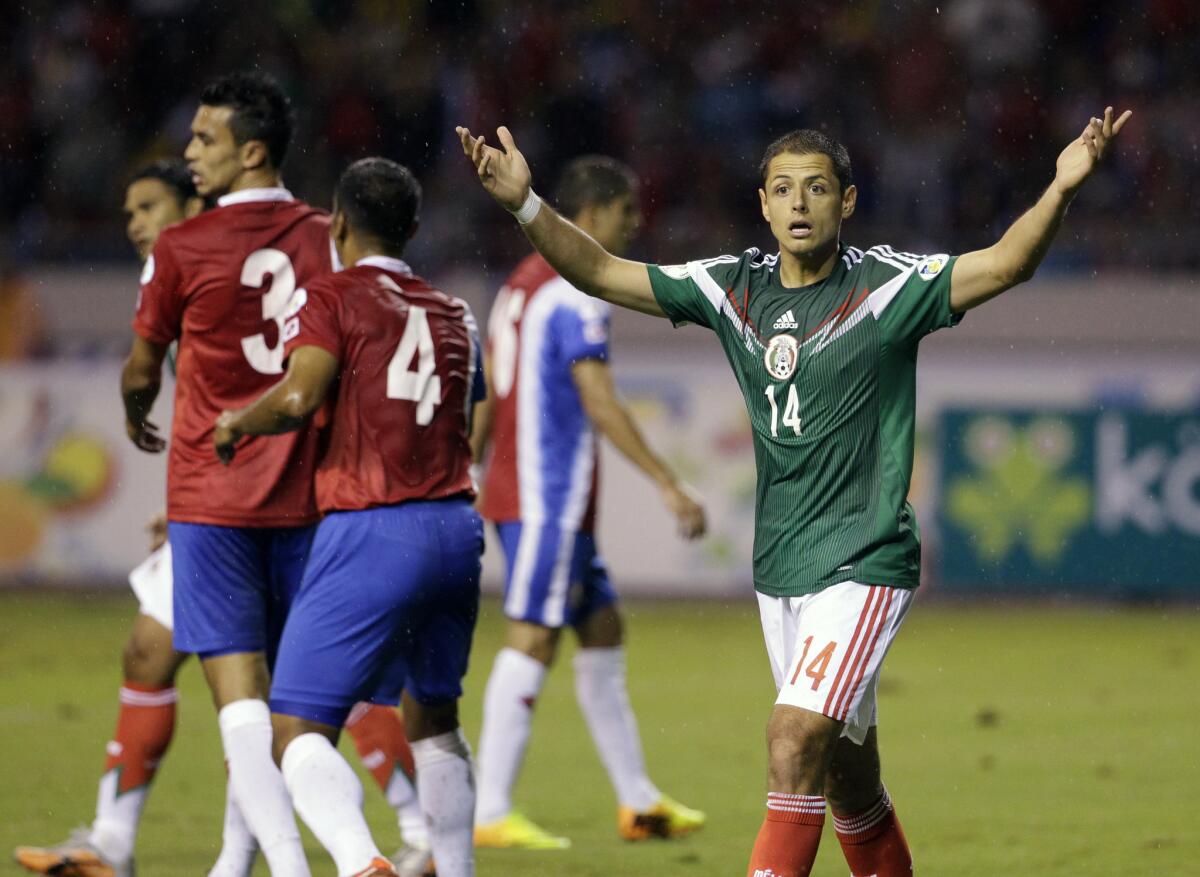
{"x": 1020, "y": 495}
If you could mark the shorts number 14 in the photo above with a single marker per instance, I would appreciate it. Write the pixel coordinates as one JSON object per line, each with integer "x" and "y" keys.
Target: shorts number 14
{"x": 817, "y": 668}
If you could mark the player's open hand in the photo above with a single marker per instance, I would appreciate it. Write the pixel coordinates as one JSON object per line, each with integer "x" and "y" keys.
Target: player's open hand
{"x": 224, "y": 437}
{"x": 684, "y": 504}
{"x": 503, "y": 172}
{"x": 145, "y": 435}
{"x": 1079, "y": 159}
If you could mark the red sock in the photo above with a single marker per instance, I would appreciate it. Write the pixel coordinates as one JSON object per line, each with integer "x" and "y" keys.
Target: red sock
{"x": 145, "y": 725}
{"x": 873, "y": 841}
{"x": 378, "y": 733}
{"x": 787, "y": 842}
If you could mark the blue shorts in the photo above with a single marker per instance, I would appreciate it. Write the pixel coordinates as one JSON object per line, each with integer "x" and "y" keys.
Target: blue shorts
{"x": 553, "y": 577}
{"x": 389, "y": 603}
{"x": 233, "y": 585}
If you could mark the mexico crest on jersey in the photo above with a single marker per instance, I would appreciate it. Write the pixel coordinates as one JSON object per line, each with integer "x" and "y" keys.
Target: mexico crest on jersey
{"x": 781, "y": 356}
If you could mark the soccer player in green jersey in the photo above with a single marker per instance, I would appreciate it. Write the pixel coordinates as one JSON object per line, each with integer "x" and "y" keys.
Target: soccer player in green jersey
{"x": 822, "y": 338}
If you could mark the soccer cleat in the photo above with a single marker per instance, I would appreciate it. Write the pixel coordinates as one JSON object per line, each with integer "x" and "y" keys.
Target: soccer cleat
{"x": 414, "y": 862}
{"x": 515, "y": 832}
{"x": 379, "y": 867}
{"x": 77, "y": 856}
{"x": 667, "y": 818}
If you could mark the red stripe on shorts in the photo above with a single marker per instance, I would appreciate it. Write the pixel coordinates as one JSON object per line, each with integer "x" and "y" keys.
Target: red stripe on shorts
{"x": 837, "y": 680}
{"x": 867, "y": 651}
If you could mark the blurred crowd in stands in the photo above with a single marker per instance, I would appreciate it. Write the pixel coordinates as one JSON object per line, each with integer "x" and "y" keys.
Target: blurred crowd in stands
{"x": 953, "y": 111}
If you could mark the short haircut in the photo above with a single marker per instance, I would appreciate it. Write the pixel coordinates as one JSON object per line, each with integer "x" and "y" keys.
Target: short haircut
{"x": 806, "y": 141}
{"x": 261, "y": 111}
{"x": 171, "y": 172}
{"x": 381, "y": 199}
{"x": 592, "y": 181}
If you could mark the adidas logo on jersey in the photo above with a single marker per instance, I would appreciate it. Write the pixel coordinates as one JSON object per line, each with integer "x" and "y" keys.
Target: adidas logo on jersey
{"x": 787, "y": 321}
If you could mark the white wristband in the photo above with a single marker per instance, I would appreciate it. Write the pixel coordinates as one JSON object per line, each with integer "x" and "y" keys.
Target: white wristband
{"x": 529, "y": 209}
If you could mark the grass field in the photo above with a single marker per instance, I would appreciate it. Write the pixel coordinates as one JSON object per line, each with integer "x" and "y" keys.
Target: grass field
{"x": 1033, "y": 740}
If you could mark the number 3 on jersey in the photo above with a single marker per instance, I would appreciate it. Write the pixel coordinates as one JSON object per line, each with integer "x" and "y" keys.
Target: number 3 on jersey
{"x": 422, "y": 386}
{"x": 791, "y": 411}
{"x": 263, "y": 359}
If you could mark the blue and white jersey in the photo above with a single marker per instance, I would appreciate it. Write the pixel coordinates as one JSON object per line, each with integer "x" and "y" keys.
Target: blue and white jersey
{"x": 543, "y": 467}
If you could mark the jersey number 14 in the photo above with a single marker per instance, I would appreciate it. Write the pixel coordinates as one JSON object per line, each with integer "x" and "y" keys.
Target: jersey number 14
{"x": 791, "y": 410}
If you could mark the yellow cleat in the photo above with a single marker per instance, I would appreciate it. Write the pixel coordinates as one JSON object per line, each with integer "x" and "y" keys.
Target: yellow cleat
{"x": 515, "y": 832}
{"x": 379, "y": 867}
{"x": 667, "y": 818}
{"x": 75, "y": 857}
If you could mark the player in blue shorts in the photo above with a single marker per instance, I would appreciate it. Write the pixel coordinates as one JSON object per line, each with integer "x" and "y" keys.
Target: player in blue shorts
{"x": 218, "y": 284}
{"x": 391, "y": 592}
{"x": 552, "y": 397}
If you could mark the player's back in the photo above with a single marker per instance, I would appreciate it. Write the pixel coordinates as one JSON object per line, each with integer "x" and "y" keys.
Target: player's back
{"x": 543, "y": 465}
{"x": 221, "y": 284}
{"x": 409, "y": 374}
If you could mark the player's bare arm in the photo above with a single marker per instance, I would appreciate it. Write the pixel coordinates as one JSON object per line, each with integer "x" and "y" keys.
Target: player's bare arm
{"x": 156, "y": 529}
{"x": 282, "y": 408}
{"x": 610, "y": 416}
{"x": 141, "y": 379}
{"x": 984, "y": 274}
{"x": 481, "y": 420}
{"x": 573, "y": 253}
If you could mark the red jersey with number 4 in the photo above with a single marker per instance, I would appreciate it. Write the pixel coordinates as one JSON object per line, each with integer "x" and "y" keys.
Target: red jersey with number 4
{"x": 220, "y": 284}
{"x": 410, "y": 372}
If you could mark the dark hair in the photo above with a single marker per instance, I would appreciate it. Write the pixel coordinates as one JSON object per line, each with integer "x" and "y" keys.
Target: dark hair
{"x": 592, "y": 180}
{"x": 806, "y": 141}
{"x": 171, "y": 172}
{"x": 381, "y": 199}
{"x": 261, "y": 111}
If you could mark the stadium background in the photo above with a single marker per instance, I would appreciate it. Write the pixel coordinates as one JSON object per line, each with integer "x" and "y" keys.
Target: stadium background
{"x": 1059, "y": 448}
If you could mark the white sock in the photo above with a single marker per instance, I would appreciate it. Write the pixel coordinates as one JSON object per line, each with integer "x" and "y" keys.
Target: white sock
{"x": 447, "y": 792}
{"x": 600, "y": 690}
{"x": 258, "y": 786}
{"x": 238, "y": 846}
{"x": 117, "y": 818}
{"x": 329, "y": 798}
{"x": 512, "y": 688}
{"x": 402, "y": 797}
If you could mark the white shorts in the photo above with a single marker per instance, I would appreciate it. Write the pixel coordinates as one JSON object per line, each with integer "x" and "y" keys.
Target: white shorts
{"x": 153, "y": 583}
{"x": 826, "y": 649}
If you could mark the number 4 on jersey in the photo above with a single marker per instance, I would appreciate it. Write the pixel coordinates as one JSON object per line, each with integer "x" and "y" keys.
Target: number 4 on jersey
{"x": 422, "y": 386}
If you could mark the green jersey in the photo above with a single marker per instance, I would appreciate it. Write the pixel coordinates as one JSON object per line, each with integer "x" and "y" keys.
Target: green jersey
{"x": 828, "y": 372}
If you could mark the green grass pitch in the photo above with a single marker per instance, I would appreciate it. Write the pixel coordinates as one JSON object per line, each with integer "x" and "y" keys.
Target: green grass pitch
{"x": 1041, "y": 740}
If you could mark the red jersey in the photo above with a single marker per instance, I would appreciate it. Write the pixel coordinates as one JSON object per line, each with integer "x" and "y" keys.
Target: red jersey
{"x": 543, "y": 468}
{"x": 220, "y": 284}
{"x": 409, "y": 374}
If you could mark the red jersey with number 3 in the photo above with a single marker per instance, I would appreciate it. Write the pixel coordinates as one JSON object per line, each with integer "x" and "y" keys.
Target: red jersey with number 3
{"x": 409, "y": 375}
{"x": 221, "y": 284}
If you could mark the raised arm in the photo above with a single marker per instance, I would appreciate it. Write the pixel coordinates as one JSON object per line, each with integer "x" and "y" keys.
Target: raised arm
{"x": 984, "y": 274}
{"x": 282, "y": 408}
{"x": 573, "y": 253}
{"x": 608, "y": 413}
